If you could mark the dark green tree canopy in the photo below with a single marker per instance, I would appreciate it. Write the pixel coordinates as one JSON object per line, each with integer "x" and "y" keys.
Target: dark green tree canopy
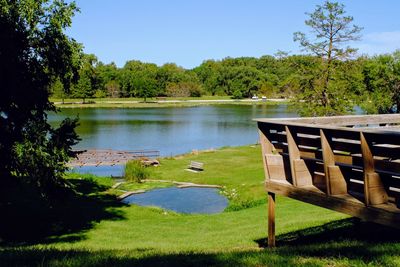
{"x": 34, "y": 52}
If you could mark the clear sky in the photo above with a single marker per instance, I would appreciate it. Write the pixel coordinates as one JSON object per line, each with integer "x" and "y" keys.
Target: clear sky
{"x": 188, "y": 32}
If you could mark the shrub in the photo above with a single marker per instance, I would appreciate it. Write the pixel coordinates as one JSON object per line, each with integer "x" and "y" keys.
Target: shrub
{"x": 135, "y": 171}
{"x": 100, "y": 94}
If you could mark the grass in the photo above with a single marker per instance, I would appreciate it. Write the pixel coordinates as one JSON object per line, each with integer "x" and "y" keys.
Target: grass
{"x": 145, "y": 185}
{"x": 155, "y": 102}
{"x": 137, "y": 236}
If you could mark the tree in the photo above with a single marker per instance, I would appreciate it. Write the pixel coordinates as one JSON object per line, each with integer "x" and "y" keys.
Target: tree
{"x": 88, "y": 80}
{"x": 382, "y": 81}
{"x": 113, "y": 89}
{"x": 34, "y": 52}
{"x": 332, "y": 30}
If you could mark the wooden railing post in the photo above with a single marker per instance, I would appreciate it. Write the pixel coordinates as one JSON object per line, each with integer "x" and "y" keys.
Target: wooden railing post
{"x": 271, "y": 219}
{"x": 335, "y": 182}
{"x": 374, "y": 191}
{"x": 300, "y": 174}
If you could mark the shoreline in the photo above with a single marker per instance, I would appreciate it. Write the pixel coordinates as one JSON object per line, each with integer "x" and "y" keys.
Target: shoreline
{"x": 166, "y": 103}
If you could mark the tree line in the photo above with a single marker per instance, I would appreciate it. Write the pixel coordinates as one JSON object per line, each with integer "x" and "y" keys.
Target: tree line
{"x": 371, "y": 82}
{"x": 330, "y": 80}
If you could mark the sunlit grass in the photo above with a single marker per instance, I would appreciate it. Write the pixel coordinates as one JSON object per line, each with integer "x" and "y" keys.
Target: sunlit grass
{"x": 140, "y": 236}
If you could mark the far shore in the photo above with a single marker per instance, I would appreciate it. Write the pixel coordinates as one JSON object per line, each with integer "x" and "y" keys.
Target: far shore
{"x": 160, "y": 102}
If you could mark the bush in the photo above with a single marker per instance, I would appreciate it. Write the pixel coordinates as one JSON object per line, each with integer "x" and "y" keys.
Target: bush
{"x": 135, "y": 171}
{"x": 100, "y": 94}
{"x": 237, "y": 94}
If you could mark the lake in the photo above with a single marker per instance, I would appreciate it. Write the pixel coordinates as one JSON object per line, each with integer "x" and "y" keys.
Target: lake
{"x": 171, "y": 130}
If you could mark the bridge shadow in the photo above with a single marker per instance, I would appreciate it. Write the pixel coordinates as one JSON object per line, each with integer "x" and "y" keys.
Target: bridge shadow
{"x": 351, "y": 229}
{"x": 344, "y": 242}
{"x": 29, "y": 220}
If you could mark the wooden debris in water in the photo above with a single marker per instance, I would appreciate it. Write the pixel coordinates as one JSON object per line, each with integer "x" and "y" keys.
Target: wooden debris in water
{"x": 108, "y": 157}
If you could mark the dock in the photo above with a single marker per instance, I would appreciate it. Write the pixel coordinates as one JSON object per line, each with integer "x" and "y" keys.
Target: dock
{"x": 109, "y": 157}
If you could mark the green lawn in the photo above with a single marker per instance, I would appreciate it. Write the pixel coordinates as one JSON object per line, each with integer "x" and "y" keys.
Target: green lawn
{"x": 138, "y": 236}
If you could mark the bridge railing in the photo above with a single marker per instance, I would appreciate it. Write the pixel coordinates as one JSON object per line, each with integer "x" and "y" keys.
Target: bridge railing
{"x": 346, "y": 163}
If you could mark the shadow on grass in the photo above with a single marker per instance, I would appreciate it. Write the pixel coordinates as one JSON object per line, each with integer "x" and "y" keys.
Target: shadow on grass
{"x": 351, "y": 229}
{"x": 29, "y": 220}
{"x": 345, "y": 243}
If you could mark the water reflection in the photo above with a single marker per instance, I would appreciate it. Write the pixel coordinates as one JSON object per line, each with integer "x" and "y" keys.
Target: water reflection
{"x": 170, "y": 130}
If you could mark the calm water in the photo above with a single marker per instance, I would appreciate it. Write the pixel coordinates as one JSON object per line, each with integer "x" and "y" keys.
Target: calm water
{"x": 172, "y": 131}
{"x": 183, "y": 200}
{"x": 103, "y": 170}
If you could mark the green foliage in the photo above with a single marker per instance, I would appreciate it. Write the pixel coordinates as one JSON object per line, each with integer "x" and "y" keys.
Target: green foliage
{"x": 112, "y": 88}
{"x": 87, "y": 83}
{"x": 100, "y": 94}
{"x": 136, "y": 171}
{"x": 34, "y": 54}
{"x": 183, "y": 89}
{"x": 382, "y": 81}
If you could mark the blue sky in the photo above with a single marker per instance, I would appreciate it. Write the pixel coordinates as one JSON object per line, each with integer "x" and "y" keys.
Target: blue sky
{"x": 188, "y": 32}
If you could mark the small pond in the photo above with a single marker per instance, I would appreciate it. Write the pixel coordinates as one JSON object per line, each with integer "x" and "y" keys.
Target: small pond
{"x": 104, "y": 170}
{"x": 182, "y": 200}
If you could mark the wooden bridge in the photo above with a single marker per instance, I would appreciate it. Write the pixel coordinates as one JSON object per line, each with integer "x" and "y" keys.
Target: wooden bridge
{"x": 349, "y": 164}
{"x": 98, "y": 157}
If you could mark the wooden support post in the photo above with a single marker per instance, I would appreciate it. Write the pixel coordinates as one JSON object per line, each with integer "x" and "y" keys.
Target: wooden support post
{"x": 300, "y": 173}
{"x": 374, "y": 191}
{"x": 335, "y": 182}
{"x": 271, "y": 219}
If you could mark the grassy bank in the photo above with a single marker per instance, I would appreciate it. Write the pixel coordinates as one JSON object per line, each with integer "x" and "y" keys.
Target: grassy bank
{"x": 139, "y": 236}
{"x": 158, "y": 102}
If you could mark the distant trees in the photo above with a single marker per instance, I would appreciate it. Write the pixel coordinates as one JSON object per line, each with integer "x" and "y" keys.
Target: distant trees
{"x": 331, "y": 29}
{"x": 371, "y": 82}
{"x": 381, "y": 76}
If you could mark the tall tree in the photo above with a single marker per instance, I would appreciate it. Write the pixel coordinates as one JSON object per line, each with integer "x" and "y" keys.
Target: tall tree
{"x": 34, "y": 52}
{"x": 331, "y": 31}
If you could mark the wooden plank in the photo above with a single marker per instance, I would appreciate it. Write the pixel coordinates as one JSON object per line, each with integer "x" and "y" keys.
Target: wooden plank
{"x": 279, "y": 137}
{"x": 300, "y": 174}
{"x": 383, "y": 137}
{"x": 374, "y": 191}
{"x": 387, "y": 166}
{"x": 271, "y": 219}
{"x": 335, "y": 182}
{"x": 390, "y": 151}
{"x": 275, "y": 167}
{"x": 341, "y": 120}
{"x": 266, "y": 127}
{"x": 266, "y": 148}
{"x": 343, "y": 159}
{"x": 341, "y": 134}
{"x": 345, "y": 146}
{"x": 307, "y": 141}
